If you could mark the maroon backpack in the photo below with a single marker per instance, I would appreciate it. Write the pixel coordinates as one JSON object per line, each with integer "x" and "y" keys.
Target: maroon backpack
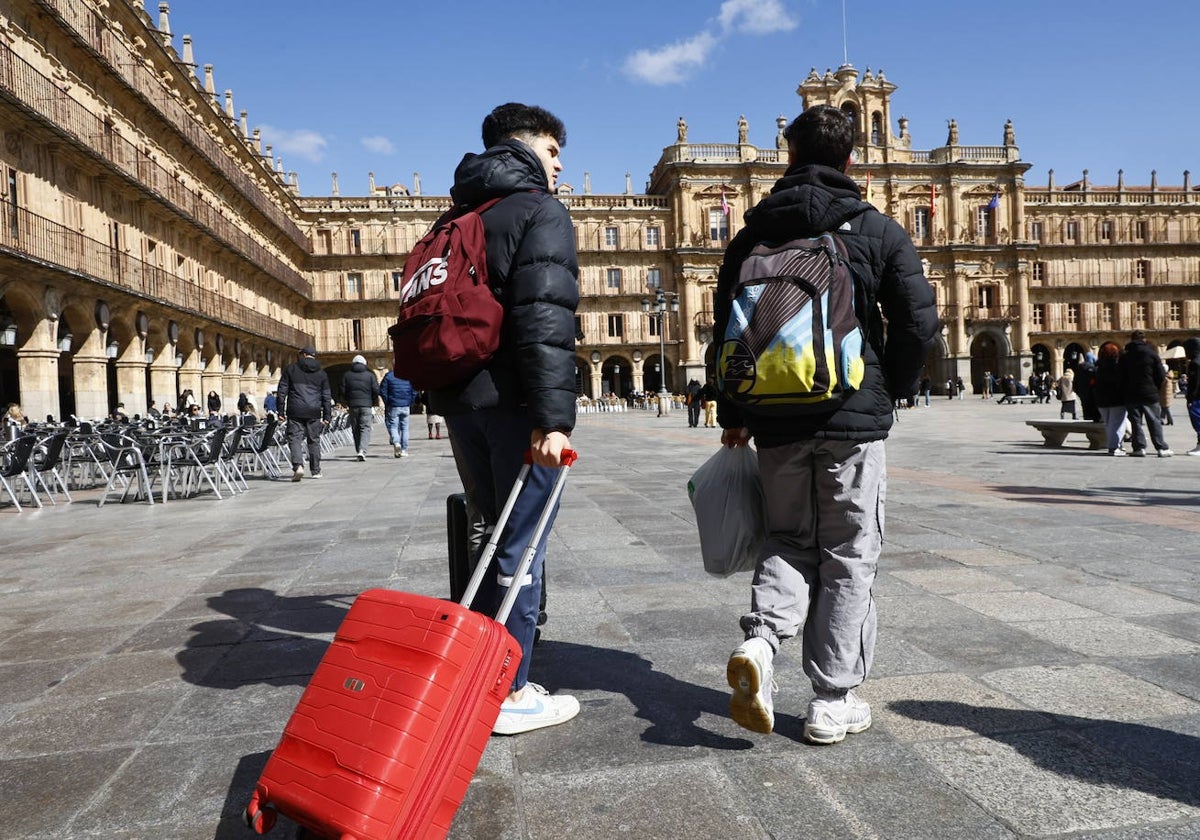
{"x": 450, "y": 318}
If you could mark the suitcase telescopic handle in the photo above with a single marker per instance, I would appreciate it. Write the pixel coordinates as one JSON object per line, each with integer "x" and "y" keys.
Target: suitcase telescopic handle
{"x": 569, "y": 456}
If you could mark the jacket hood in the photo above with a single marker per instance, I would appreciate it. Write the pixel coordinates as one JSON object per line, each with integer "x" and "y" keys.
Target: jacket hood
{"x": 1192, "y": 347}
{"x": 505, "y": 168}
{"x": 309, "y": 365}
{"x": 809, "y": 198}
{"x": 358, "y": 367}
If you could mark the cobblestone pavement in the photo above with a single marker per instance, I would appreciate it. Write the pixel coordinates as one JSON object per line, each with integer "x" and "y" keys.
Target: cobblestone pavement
{"x": 1036, "y": 673}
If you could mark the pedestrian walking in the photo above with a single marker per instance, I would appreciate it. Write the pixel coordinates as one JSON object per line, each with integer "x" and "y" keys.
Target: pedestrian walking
{"x": 823, "y": 474}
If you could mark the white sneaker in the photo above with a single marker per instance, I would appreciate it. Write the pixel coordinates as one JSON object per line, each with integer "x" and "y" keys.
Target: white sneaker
{"x": 298, "y": 472}
{"x": 1165, "y": 453}
{"x": 536, "y": 709}
{"x": 1119, "y": 453}
{"x": 362, "y": 456}
{"x": 403, "y": 453}
{"x": 828, "y": 721}
{"x": 750, "y": 675}
{"x": 1195, "y": 451}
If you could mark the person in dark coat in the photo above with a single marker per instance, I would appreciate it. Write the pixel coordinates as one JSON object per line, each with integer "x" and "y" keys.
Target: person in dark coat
{"x": 1141, "y": 377}
{"x": 523, "y": 400}
{"x": 693, "y": 402}
{"x": 1110, "y": 402}
{"x": 823, "y": 473}
{"x": 1192, "y": 394}
{"x": 360, "y": 393}
{"x": 1085, "y": 383}
{"x": 304, "y": 399}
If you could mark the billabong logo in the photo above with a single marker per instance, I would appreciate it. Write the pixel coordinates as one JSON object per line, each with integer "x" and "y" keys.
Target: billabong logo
{"x": 433, "y": 273}
{"x": 738, "y": 372}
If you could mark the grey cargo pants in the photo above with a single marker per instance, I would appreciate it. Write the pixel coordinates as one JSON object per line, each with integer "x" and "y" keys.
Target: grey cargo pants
{"x": 824, "y": 515}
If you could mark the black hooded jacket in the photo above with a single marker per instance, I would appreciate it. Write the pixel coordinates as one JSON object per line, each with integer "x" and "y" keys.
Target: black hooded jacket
{"x": 533, "y": 267}
{"x": 303, "y": 392}
{"x": 1192, "y": 348}
{"x": 360, "y": 388}
{"x": 806, "y": 201}
{"x": 1141, "y": 374}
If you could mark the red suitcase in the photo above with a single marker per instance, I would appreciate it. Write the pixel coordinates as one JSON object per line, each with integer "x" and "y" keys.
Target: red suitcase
{"x": 386, "y": 737}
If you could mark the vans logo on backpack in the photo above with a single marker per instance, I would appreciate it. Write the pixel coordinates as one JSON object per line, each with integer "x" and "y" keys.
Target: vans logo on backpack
{"x": 793, "y": 343}
{"x": 433, "y": 273}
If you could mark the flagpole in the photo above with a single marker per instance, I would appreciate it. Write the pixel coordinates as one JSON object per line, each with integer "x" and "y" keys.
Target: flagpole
{"x": 845, "y": 48}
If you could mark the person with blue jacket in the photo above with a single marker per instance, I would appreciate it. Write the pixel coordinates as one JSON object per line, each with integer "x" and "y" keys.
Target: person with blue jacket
{"x": 398, "y": 396}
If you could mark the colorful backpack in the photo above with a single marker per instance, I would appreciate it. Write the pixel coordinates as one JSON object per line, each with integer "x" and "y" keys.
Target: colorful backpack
{"x": 793, "y": 344}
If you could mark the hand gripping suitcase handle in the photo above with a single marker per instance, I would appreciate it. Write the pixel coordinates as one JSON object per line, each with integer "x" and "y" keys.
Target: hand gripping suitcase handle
{"x": 569, "y": 456}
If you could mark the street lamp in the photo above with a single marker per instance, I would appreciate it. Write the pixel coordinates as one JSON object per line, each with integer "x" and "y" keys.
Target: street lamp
{"x": 657, "y": 309}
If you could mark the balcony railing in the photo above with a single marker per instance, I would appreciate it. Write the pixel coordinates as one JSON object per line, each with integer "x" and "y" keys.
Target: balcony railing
{"x": 36, "y": 237}
{"x": 130, "y": 69}
{"x": 37, "y": 95}
{"x": 991, "y": 313}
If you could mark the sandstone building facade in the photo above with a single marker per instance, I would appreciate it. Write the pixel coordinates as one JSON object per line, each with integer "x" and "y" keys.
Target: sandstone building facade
{"x": 150, "y": 242}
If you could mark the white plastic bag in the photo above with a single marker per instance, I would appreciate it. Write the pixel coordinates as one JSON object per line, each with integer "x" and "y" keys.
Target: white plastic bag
{"x": 727, "y": 495}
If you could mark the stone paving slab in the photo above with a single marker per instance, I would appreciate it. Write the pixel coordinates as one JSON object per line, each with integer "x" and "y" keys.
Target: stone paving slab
{"x": 1037, "y": 673}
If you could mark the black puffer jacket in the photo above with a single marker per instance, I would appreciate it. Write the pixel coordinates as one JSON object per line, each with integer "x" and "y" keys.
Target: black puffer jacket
{"x": 303, "y": 392}
{"x": 1141, "y": 374}
{"x": 806, "y": 201}
{"x": 534, "y": 269}
{"x": 360, "y": 388}
{"x": 1192, "y": 348}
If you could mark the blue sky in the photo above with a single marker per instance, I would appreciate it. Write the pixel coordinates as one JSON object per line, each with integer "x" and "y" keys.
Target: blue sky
{"x": 400, "y": 86}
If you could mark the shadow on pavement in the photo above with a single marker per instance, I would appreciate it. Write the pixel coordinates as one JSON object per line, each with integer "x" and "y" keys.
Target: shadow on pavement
{"x": 1154, "y": 761}
{"x": 672, "y": 706}
{"x": 1130, "y": 496}
{"x": 272, "y": 639}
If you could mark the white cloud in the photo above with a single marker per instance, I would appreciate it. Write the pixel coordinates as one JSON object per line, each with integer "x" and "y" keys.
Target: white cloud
{"x": 756, "y": 17}
{"x": 671, "y": 63}
{"x": 379, "y": 145}
{"x": 303, "y": 143}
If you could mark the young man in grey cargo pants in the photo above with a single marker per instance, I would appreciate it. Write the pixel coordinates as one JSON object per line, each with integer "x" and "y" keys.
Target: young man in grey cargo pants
{"x": 823, "y": 470}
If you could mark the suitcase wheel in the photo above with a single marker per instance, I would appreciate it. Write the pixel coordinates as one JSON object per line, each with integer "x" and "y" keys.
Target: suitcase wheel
{"x": 260, "y": 822}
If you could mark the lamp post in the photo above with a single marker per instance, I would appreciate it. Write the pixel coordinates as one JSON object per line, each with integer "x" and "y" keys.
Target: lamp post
{"x": 657, "y": 309}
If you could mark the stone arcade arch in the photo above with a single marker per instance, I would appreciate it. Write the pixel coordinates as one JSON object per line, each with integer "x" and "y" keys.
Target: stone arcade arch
{"x": 1043, "y": 358}
{"x": 939, "y": 367}
{"x": 616, "y": 376}
{"x": 1073, "y": 355}
{"x": 989, "y": 348}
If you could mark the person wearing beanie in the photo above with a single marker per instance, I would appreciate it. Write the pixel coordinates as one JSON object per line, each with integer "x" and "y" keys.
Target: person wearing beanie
{"x": 360, "y": 393}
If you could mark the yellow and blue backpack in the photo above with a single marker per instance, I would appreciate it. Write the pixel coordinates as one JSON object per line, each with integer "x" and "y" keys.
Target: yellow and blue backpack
{"x": 793, "y": 344}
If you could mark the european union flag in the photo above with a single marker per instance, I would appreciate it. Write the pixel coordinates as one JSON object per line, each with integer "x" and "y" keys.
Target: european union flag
{"x": 995, "y": 202}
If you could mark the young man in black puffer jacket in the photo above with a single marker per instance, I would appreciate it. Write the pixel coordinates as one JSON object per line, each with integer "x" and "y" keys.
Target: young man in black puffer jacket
{"x": 823, "y": 474}
{"x": 524, "y": 399}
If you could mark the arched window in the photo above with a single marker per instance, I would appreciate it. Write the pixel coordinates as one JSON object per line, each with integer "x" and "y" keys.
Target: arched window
{"x": 851, "y": 112}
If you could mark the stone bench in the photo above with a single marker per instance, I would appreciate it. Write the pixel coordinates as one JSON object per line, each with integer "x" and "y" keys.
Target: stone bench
{"x": 1055, "y": 431}
{"x": 1018, "y": 398}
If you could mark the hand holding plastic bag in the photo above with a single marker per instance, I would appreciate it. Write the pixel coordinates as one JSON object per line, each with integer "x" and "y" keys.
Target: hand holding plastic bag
{"x": 727, "y": 495}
